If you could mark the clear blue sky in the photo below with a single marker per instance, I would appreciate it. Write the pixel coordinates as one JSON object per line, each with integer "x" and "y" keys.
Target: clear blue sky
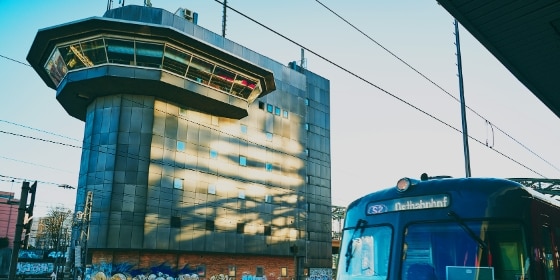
{"x": 375, "y": 138}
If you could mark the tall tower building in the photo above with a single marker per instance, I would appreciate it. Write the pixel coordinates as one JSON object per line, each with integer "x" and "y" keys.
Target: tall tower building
{"x": 203, "y": 157}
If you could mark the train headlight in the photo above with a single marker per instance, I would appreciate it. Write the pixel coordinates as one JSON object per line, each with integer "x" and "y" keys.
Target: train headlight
{"x": 403, "y": 184}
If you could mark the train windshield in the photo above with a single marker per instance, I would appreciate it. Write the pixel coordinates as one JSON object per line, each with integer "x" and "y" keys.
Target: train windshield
{"x": 463, "y": 250}
{"x": 364, "y": 253}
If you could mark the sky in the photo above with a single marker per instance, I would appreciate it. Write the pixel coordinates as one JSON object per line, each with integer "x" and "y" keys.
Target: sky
{"x": 387, "y": 120}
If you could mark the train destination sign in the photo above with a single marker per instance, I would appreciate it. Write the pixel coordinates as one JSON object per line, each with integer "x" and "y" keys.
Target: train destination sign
{"x": 408, "y": 203}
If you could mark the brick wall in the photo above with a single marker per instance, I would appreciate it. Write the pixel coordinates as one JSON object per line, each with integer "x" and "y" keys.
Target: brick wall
{"x": 206, "y": 265}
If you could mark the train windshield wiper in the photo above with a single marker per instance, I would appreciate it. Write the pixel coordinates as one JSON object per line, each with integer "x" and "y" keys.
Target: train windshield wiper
{"x": 349, "y": 254}
{"x": 468, "y": 230}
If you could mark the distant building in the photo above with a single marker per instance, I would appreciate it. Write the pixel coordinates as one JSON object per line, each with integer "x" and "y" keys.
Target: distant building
{"x": 37, "y": 236}
{"x": 202, "y": 156}
{"x": 8, "y": 216}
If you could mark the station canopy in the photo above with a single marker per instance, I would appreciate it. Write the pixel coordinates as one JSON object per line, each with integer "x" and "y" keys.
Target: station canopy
{"x": 523, "y": 35}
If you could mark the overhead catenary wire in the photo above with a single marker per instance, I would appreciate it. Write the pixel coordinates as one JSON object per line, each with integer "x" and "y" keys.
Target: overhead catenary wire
{"x": 344, "y": 69}
{"x": 436, "y": 84}
{"x": 375, "y": 86}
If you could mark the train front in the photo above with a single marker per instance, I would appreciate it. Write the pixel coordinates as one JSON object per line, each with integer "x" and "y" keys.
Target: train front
{"x": 438, "y": 228}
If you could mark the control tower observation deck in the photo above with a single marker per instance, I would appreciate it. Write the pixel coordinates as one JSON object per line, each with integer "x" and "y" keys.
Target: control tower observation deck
{"x": 145, "y": 51}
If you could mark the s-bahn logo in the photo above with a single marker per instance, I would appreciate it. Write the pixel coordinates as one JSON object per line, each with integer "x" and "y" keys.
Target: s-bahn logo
{"x": 376, "y": 209}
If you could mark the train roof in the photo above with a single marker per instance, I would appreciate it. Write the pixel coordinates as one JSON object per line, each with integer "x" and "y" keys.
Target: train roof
{"x": 435, "y": 185}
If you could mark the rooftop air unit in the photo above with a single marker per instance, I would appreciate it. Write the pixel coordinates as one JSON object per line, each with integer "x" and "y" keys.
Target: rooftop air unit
{"x": 188, "y": 14}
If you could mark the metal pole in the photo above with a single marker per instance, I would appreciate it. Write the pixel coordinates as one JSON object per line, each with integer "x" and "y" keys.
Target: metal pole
{"x": 56, "y": 260}
{"x": 19, "y": 228}
{"x": 462, "y": 98}
{"x": 224, "y": 19}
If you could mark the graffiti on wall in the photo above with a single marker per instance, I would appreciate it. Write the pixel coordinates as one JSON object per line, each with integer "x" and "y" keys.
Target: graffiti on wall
{"x": 28, "y": 268}
{"x": 124, "y": 271}
{"x": 320, "y": 274}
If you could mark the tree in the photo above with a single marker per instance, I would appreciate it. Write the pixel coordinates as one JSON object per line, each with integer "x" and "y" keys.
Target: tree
{"x": 56, "y": 227}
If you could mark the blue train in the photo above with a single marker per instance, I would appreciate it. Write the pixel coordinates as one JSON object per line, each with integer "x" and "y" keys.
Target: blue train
{"x": 451, "y": 228}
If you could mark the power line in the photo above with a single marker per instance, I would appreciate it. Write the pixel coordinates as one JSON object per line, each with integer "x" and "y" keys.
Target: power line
{"x": 32, "y": 163}
{"x": 16, "y": 61}
{"x": 20, "y": 180}
{"x": 40, "y": 139}
{"x": 434, "y": 83}
{"x": 372, "y": 84}
{"x": 338, "y": 66}
{"x": 40, "y": 130}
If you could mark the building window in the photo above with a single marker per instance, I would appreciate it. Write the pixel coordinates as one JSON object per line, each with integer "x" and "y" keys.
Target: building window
{"x": 240, "y": 227}
{"x": 285, "y": 114}
{"x": 261, "y": 105}
{"x": 213, "y": 154}
{"x": 242, "y": 161}
{"x": 306, "y": 152}
{"x": 231, "y": 270}
{"x": 175, "y": 222}
{"x": 178, "y": 183}
{"x": 267, "y": 230}
{"x": 260, "y": 271}
{"x": 212, "y": 189}
{"x": 180, "y": 146}
{"x": 241, "y": 194}
{"x": 269, "y": 108}
{"x": 306, "y": 126}
{"x": 209, "y": 225}
{"x": 284, "y": 272}
{"x": 243, "y": 129}
{"x": 201, "y": 271}
{"x": 306, "y": 102}
{"x": 268, "y": 166}
{"x": 268, "y": 136}
{"x": 307, "y": 179}
{"x": 267, "y": 198}
{"x": 277, "y": 111}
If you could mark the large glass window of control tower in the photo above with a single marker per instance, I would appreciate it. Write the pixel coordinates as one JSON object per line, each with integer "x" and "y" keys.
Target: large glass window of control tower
{"x": 105, "y": 50}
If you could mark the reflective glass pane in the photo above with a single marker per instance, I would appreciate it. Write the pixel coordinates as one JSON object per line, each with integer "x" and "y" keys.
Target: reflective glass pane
{"x": 213, "y": 154}
{"x": 149, "y": 54}
{"x": 364, "y": 253}
{"x": 94, "y": 51}
{"x": 200, "y": 70}
{"x": 438, "y": 249}
{"x": 212, "y": 189}
{"x": 120, "y": 51}
{"x": 176, "y": 61}
{"x": 243, "y": 86}
{"x": 74, "y": 58}
{"x": 222, "y": 79}
{"x": 180, "y": 146}
{"x": 55, "y": 67}
{"x": 178, "y": 183}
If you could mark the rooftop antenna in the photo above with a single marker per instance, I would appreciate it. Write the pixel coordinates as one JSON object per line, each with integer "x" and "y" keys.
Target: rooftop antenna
{"x": 303, "y": 62}
{"x": 224, "y": 19}
{"x": 109, "y": 4}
